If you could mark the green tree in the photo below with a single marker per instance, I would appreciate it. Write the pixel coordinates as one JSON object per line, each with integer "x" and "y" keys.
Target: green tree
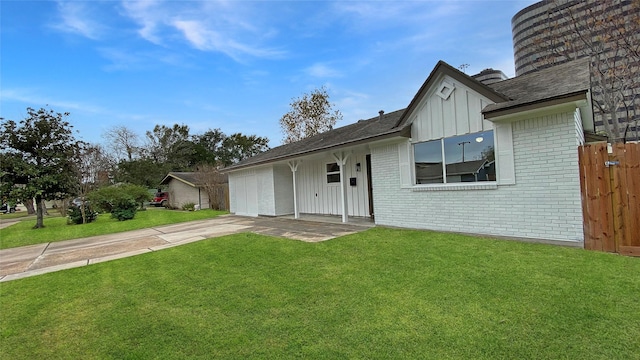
{"x": 310, "y": 115}
{"x": 170, "y": 145}
{"x": 144, "y": 172}
{"x": 237, "y": 147}
{"x": 209, "y": 146}
{"x": 216, "y": 148}
{"x": 41, "y": 151}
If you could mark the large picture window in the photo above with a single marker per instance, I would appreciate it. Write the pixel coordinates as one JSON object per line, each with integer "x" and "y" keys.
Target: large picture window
{"x": 333, "y": 173}
{"x": 466, "y": 158}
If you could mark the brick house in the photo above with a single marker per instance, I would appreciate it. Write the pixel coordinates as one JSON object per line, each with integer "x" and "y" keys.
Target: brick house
{"x": 497, "y": 159}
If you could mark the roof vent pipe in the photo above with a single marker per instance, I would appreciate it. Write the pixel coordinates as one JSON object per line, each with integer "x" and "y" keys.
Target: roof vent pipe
{"x": 381, "y": 112}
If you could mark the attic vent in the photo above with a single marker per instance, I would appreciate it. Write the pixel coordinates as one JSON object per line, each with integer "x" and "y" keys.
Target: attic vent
{"x": 445, "y": 90}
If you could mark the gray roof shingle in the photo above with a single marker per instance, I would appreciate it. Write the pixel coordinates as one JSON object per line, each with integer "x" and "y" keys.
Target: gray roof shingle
{"x": 352, "y": 134}
{"x": 556, "y": 82}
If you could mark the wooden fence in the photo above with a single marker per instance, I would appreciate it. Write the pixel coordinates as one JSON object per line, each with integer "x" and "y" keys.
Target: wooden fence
{"x": 610, "y": 185}
{"x": 219, "y": 197}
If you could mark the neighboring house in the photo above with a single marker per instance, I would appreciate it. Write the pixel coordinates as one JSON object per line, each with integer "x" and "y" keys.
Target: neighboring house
{"x": 498, "y": 159}
{"x": 184, "y": 188}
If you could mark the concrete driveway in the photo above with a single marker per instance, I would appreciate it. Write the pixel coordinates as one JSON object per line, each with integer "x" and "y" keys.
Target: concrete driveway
{"x": 17, "y": 263}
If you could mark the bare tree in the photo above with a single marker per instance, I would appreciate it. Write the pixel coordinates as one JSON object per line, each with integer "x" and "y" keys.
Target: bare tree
{"x": 213, "y": 183}
{"x": 608, "y": 32}
{"x": 310, "y": 115}
{"x": 123, "y": 142}
{"x": 93, "y": 171}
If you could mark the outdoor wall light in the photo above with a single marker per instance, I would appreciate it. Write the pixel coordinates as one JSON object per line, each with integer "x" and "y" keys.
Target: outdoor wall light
{"x": 358, "y": 167}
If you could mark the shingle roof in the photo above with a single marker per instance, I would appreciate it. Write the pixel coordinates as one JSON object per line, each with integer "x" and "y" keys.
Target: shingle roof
{"x": 363, "y": 130}
{"x": 189, "y": 178}
{"x": 556, "y": 82}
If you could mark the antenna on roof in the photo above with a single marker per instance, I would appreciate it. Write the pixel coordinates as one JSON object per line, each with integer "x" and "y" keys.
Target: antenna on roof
{"x": 463, "y": 67}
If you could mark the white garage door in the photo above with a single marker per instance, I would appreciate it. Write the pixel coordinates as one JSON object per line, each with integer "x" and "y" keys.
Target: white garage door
{"x": 247, "y": 195}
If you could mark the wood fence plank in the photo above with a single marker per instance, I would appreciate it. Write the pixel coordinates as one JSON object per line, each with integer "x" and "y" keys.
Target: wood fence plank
{"x": 606, "y": 200}
{"x": 583, "y": 159}
{"x": 631, "y": 169}
{"x": 618, "y": 193}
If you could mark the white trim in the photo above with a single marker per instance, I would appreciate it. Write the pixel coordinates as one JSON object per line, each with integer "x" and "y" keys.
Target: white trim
{"x": 505, "y": 165}
{"x": 341, "y": 159}
{"x": 293, "y": 165}
{"x": 483, "y": 185}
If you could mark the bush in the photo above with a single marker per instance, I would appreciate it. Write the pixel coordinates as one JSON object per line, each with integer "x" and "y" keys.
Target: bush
{"x": 124, "y": 209}
{"x": 75, "y": 214}
{"x": 189, "y": 206}
{"x": 107, "y": 198}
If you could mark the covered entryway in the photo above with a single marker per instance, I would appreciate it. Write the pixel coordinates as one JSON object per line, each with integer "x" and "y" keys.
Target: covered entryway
{"x": 332, "y": 184}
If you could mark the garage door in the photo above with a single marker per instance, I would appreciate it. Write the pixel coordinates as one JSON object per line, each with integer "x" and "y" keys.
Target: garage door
{"x": 247, "y": 195}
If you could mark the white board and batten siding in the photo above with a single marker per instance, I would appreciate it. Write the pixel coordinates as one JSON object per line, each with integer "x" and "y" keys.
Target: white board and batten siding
{"x": 455, "y": 113}
{"x": 316, "y": 196}
{"x": 460, "y": 113}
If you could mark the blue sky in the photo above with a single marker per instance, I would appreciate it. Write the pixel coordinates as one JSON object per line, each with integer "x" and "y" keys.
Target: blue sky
{"x": 235, "y": 65}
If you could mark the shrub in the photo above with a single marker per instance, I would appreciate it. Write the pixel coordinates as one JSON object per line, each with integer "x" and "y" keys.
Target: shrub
{"x": 189, "y": 206}
{"x": 124, "y": 209}
{"x": 75, "y": 214}
{"x": 106, "y": 198}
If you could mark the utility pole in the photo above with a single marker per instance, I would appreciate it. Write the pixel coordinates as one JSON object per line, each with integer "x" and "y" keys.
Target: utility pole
{"x": 463, "y": 143}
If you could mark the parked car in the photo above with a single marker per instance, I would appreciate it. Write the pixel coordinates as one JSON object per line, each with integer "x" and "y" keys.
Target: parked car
{"x": 6, "y": 208}
{"x": 161, "y": 198}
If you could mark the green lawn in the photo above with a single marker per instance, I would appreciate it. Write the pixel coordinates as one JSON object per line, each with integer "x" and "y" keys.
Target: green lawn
{"x": 380, "y": 294}
{"x": 57, "y": 229}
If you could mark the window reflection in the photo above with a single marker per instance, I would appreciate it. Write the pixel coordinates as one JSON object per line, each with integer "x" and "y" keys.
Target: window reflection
{"x": 468, "y": 158}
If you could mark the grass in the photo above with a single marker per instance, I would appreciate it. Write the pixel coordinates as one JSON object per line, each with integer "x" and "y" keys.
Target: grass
{"x": 380, "y": 294}
{"x": 57, "y": 229}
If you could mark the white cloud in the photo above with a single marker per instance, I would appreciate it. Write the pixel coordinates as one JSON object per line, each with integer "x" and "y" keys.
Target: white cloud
{"x": 35, "y": 100}
{"x": 76, "y": 18}
{"x": 321, "y": 70}
{"x": 212, "y": 26}
{"x": 145, "y": 13}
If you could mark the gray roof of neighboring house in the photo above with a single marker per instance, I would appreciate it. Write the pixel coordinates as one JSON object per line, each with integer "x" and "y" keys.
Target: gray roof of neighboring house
{"x": 363, "y": 130}
{"x": 189, "y": 178}
{"x": 554, "y": 83}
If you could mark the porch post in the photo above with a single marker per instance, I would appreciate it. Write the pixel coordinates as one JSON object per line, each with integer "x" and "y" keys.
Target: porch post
{"x": 341, "y": 160}
{"x": 293, "y": 165}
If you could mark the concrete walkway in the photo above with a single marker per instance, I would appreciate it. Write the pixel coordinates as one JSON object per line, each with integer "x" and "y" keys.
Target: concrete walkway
{"x": 17, "y": 263}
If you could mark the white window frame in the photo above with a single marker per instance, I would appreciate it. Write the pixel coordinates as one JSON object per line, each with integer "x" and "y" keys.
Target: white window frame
{"x": 504, "y": 162}
{"x": 332, "y": 173}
